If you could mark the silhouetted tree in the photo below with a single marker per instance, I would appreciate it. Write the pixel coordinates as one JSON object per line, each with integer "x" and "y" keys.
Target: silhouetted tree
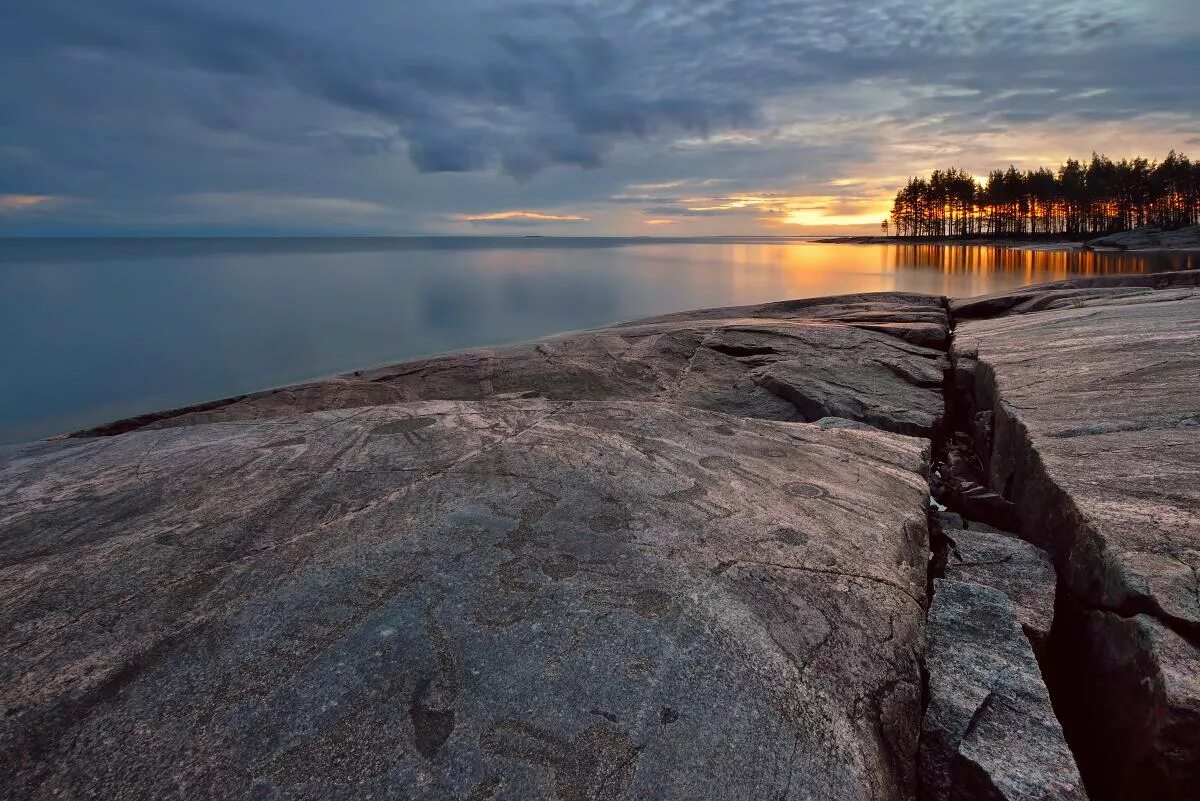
{"x": 1097, "y": 198}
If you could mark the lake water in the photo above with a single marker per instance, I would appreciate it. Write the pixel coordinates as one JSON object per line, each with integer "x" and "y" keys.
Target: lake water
{"x": 95, "y": 330}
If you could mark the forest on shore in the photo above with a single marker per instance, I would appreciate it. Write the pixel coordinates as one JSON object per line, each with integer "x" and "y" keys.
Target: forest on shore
{"x": 1097, "y": 197}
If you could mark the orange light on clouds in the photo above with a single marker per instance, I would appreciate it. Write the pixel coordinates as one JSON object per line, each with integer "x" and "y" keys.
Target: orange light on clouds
{"x": 531, "y": 216}
{"x": 25, "y": 202}
{"x": 825, "y": 211}
{"x": 658, "y": 222}
{"x": 868, "y": 206}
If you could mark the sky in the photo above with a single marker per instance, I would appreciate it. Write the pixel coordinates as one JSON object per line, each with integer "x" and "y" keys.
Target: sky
{"x": 572, "y": 118}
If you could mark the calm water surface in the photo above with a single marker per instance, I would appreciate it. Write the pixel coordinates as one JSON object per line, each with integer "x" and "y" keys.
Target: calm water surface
{"x": 95, "y": 330}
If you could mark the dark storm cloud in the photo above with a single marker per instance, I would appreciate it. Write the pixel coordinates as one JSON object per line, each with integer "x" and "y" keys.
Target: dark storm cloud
{"x": 129, "y": 105}
{"x": 522, "y": 101}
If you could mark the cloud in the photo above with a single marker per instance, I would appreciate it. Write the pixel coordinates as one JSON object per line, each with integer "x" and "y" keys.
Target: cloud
{"x": 261, "y": 205}
{"x": 12, "y": 204}
{"x": 519, "y": 218}
{"x": 420, "y": 108}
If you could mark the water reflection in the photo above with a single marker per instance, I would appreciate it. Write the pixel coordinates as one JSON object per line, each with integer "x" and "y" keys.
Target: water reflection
{"x": 99, "y": 330}
{"x": 1058, "y": 265}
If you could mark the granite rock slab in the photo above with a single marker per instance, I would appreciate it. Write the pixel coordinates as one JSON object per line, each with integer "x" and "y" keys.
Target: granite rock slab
{"x": 496, "y": 599}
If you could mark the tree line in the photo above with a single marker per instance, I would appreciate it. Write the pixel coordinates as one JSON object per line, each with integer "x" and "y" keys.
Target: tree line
{"x": 1097, "y": 197}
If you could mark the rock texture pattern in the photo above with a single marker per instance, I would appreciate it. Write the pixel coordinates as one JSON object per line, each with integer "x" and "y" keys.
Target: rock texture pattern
{"x": 989, "y": 733}
{"x": 606, "y": 566}
{"x": 1096, "y": 440}
{"x": 1023, "y": 572}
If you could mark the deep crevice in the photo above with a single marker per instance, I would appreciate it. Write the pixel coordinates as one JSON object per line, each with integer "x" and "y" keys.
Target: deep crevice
{"x": 742, "y": 350}
{"x": 1112, "y": 716}
{"x": 959, "y": 482}
{"x": 986, "y": 443}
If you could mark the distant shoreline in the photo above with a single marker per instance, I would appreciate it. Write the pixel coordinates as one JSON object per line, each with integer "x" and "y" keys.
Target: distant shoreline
{"x": 1057, "y": 243}
{"x": 1139, "y": 240}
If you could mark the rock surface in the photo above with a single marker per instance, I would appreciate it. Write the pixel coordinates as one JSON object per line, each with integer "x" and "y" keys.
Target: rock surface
{"x": 1096, "y": 440}
{"x": 1023, "y": 572}
{"x": 1107, "y": 290}
{"x": 610, "y": 591}
{"x": 989, "y": 731}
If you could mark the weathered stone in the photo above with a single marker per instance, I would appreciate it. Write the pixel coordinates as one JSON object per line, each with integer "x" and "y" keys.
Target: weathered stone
{"x": 920, "y": 319}
{"x": 803, "y": 360}
{"x": 516, "y": 599}
{"x": 1074, "y": 293}
{"x": 1096, "y": 420}
{"x": 1096, "y": 440}
{"x": 620, "y": 564}
{"x": 1021, "y": 571}
{"x": 989, "y": 731}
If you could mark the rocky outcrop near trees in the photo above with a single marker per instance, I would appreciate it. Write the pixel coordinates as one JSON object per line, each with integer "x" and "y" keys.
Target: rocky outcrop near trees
{"x": 1151, "y": 239}
{"x": 687, "y": 557}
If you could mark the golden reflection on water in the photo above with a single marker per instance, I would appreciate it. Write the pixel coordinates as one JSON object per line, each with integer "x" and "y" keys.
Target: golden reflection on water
{"x": 987, "y": 259}
{"x": 759, "y": 271}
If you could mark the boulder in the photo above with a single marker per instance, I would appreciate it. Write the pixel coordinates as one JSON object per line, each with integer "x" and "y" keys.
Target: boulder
{"x": 989, "y": 732}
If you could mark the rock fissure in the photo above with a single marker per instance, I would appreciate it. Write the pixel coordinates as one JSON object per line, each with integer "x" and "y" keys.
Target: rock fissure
{"x": 1121, "y": 661}
{"x": 991, "y": 610}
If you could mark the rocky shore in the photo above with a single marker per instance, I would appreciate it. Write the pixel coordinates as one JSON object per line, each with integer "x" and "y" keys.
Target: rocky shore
{"x": 690, "y": 557}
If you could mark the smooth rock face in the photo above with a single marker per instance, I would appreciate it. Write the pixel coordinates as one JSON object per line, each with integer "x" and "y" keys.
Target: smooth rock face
{"x": 989, "y": 731}
{"x": 865, "y": 358}
{"x": 1096, "y": 440}
{"x": 1021, "y": 571}
{"x": 521, "y": 599}
{"x": 1108, "y": 290}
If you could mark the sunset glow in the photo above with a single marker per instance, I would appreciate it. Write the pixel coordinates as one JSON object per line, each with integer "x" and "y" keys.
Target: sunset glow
{"x": 532, "y": 216}
{"x": 25, "y": 202}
